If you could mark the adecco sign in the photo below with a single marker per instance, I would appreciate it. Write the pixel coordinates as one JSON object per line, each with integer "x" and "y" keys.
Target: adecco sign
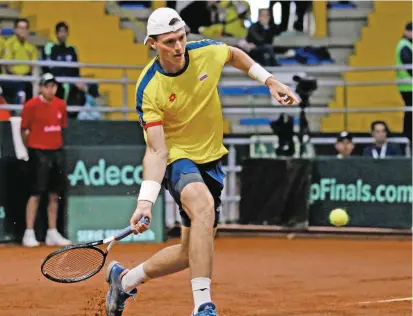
{"x": 103, "y": 184}
{"x": 115, "y": 170}
{"x": 104, "y": 174}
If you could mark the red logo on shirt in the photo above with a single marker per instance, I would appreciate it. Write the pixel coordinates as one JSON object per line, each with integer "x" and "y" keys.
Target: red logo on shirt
{"x": 172, "y": 97}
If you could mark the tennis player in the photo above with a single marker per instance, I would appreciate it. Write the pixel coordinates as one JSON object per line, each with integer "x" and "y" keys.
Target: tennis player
{"x": 179, "y": 108}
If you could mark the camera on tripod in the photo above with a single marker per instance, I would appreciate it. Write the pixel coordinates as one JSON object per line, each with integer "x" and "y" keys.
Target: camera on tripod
{"x": 283, "y": 127}
{"x": 305, "y": 88}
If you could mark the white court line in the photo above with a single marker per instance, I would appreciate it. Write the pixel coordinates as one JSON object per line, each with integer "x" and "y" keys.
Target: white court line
{"x": 388, "y": 301}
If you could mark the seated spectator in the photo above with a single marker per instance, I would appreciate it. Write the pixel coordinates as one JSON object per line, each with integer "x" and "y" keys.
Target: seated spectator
{"x": 344, "y": 145}
{"x": 200, "y": 14}
{"x": 258, "y": 43}
{"x": 82, "y": 94}
{"x": 61, "y": 51}
{"x": 90, "y": 102}
{"x": 18, "y": 47}
{"x": 231, "y": 16}
{"x": 235, "y": 15}
{"x": 381, "y": 147}
{"x": 300, "y": 11}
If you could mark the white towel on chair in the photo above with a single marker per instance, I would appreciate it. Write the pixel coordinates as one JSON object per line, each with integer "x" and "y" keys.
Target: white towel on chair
{"x": 19, "y": 148}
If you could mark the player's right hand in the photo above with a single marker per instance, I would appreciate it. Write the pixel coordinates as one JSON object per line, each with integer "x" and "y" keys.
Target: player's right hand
{"x": 281, "y": 92}
{"x": 143, "y": 209}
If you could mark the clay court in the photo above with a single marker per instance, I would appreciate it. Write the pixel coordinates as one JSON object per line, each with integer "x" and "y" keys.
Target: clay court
{"x": 252, "y": 276}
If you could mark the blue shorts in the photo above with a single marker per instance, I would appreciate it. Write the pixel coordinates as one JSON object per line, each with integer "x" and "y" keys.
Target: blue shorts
{"x": 210, "y": 173}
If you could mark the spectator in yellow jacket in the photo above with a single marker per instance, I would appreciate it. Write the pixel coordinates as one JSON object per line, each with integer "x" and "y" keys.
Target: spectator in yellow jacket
{"x": 18, "y": 47}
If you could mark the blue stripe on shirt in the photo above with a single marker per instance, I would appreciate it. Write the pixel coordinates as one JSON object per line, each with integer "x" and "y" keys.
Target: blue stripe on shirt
{"x": 200, "y": 44}
{"x": 141, "y": 88}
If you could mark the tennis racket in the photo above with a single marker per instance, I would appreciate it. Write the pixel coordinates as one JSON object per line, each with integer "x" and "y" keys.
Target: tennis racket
{"x": 76, "y": 263}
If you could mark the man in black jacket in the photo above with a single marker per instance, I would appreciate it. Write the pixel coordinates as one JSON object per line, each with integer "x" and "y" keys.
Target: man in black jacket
{"x": 381, "y": 148}
{"x": 200, "y": 13}
{"x": 61, "y": 51}
{"x": 258, "y": 43}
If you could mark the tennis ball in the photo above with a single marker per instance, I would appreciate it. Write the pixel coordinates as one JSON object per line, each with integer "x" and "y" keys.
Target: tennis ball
{"x": 339, "y": 217}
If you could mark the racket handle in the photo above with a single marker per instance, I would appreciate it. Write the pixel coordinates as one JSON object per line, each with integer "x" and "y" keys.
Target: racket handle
{"x": 123, "y": 233}
{"x": 127, "y": 231}
{"x": 145, "y": 220}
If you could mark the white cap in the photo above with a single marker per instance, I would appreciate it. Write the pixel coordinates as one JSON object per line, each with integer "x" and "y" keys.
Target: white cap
{"x": 158, "y": 22}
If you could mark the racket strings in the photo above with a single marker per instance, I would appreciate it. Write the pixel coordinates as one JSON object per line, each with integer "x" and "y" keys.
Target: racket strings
{"x": 74, "y": 264}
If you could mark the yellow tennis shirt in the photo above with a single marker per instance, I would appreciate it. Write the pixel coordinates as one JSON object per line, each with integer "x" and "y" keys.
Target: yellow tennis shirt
{"x": 187, "y": 103}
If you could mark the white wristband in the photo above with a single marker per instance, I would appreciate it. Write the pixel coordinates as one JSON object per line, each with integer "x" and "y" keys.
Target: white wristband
{"x": 258, "y": 73}
{"x": 149, "y": 191}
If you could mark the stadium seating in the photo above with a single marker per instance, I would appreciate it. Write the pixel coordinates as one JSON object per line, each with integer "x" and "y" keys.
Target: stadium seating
{"x": 96, "y": 35}
{"x": 343, "y": 27}
{"x": 8, "y": 15}
{"x": 375, "y": 47}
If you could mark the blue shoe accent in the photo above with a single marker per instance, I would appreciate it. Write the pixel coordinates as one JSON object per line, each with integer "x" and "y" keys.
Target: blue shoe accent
{"x": 207, "y": 309}
{"x": 116, "y": 297}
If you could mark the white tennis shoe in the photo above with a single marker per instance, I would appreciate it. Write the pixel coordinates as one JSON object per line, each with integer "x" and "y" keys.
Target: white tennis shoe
{"x": 54, "y": 238}
{"x": 29, "y": 239}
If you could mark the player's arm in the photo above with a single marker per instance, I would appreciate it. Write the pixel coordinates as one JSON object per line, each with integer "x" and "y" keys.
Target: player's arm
{"x": 154, "y": 166}
{"x": 240, "y": 60}
{"x": 156, "y": 154}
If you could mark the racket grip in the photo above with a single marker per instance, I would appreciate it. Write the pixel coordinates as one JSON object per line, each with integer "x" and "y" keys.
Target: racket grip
{"x": 145, "y": 220}
{"x": 123, "y": 233}
{"x": 127, "y": 231}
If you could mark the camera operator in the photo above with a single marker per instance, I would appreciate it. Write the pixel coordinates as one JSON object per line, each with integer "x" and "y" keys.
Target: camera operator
{"x": 283, "y": 127}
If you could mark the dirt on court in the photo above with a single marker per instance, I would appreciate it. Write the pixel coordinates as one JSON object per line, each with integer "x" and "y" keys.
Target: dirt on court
{"x": 252, "y": 276}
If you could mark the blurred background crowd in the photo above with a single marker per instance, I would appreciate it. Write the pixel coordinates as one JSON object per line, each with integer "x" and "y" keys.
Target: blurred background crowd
{"x": 348, "y": 61}
{"x": 282, "y": 34}
{"x": 16, "y": 45}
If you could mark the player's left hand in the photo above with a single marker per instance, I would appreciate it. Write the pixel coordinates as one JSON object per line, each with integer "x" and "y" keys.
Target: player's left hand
{"x": 282, "y": 93}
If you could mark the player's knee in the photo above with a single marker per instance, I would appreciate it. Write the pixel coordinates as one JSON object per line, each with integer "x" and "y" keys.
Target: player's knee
{"x": 198, "y": 202}
{"x": 205, "y": 209}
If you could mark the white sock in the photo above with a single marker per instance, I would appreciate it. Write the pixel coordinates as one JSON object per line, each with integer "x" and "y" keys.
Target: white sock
{"x": 29, "y": 232}
{"x": 133, "y": 278}
{"x": 201, "y": 290}
{"x": 52, "y": 230}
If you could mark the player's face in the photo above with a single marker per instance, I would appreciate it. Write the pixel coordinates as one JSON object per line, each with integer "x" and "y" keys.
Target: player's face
{"x": 171, "y": 47}
{"x": 48, "y": 90}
